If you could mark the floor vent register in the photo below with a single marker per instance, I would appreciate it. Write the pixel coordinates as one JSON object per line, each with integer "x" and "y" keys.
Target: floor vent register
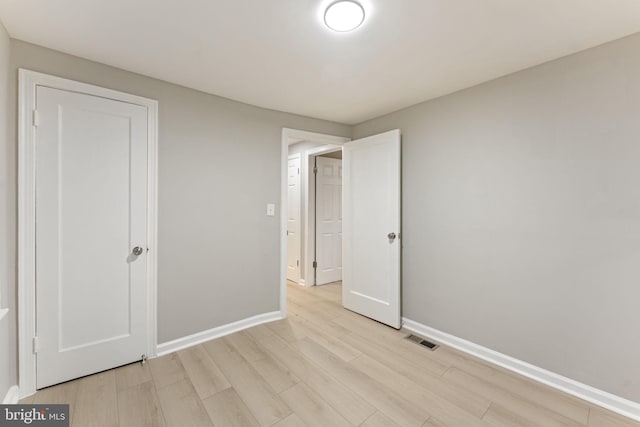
{"x": 421, "y": 341}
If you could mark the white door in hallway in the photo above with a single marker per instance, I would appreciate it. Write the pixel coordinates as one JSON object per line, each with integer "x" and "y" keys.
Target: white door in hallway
{"x": 371, "y": 227}
{"x": 293, "y": 219}
{"x": 328, "y": 220}
{"x": 91, "y": 228}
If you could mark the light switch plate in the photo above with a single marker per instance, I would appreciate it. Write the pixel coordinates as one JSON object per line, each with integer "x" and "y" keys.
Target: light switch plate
{"x": 271, "y": 209}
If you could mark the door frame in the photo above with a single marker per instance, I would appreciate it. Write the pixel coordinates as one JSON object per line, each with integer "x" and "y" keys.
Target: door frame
{"x": 27, "y": 83}
{"x": 293, "y": 157}
{"x": 289, "y": 137}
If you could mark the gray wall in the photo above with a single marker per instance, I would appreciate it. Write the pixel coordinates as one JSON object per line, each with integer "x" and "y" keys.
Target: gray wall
{"x": 8, "y": 348}
{"x": 521, "y": 214}
{"x": 219, "y": 164}
{"x": 521, "y": 208}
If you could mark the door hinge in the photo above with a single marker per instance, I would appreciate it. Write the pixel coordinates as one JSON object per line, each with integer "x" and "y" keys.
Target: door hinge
{"x": 315, "y": 170}
{"x": 298, "y": 171}
{"x": 36, "y": 345}
{"x": 35, "y": 118}
{"x": 298, "y": 263}
{"x": 315, "y": 264}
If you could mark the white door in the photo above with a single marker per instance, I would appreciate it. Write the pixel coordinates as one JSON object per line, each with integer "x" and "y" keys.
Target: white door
{"x": 328, "y": 220}
{"x": 91, "y": 201}
{"x": 371, "y": 227}
{"x": 293, "y": 219}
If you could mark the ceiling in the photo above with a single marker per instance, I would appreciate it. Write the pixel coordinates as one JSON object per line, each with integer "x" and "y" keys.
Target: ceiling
{"x": 278, "y": 54}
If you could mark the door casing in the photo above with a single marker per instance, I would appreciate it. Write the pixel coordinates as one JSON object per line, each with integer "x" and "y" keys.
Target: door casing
{"x": 28, "y": 81}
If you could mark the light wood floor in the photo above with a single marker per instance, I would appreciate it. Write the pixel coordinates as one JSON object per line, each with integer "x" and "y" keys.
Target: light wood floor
{"x": 323, "y": 366}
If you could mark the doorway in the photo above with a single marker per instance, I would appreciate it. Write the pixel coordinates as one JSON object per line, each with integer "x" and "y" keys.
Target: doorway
{"x": 305, "y": 145}
{"x": 313, "y": 165}
{"x": 371, "y": 208}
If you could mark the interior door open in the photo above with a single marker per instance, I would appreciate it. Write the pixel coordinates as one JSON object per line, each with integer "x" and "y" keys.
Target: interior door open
{"x": 371, "y": 227}
{"x": 328, "y": 220}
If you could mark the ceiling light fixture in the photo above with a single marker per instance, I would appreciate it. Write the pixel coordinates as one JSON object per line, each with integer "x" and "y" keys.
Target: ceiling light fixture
{"x": 344, "y": 15}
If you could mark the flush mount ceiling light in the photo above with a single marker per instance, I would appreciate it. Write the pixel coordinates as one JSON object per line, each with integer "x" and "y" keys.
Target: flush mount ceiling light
{"x": 344, "y": 15}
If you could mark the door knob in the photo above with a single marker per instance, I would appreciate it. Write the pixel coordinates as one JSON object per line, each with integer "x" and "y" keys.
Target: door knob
{"x": 391, "y": 236}
{"x": 137, "y": 251}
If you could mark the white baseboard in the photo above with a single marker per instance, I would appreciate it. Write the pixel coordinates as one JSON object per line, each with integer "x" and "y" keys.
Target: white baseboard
{"x": 593, "y": 395}
{"x": 220, "y": 331}
{"x": 12, "y": 397}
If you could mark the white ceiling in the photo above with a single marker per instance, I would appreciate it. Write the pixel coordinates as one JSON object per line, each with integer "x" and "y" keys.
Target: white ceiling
{"x": 278, "y": 54}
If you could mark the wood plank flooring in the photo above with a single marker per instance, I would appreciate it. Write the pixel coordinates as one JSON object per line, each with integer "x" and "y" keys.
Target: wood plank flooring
{"x": 323, "y": 366}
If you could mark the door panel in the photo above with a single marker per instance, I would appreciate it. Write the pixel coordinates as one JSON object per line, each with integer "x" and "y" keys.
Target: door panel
{"x": 293, "y": 220}
{"x": 328, "y": 220}
{"x": 91, "y": 198}
{"x": 371, "y": 271}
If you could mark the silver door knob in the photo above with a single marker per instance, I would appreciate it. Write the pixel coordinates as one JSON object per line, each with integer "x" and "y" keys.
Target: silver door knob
{"x": 137, "y": 251}
{"x": 391, "y": 236}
